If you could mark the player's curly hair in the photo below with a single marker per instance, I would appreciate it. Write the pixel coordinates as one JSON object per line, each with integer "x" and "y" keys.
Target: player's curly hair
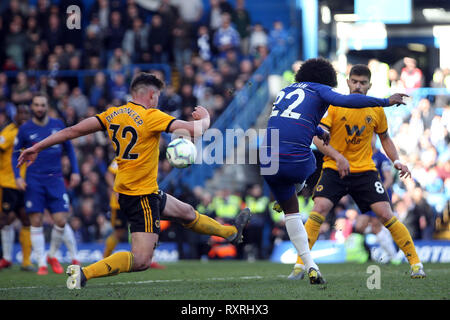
{"x": 318, "y": 70}
{"x": 145, "y": 79}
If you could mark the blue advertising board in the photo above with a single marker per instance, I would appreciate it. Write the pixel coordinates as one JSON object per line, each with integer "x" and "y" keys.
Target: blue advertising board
{"x": 328, "y": 251}
{"x": 92, "y": 252}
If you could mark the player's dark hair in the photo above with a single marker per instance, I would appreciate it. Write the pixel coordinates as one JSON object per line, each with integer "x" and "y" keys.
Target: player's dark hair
{"x": 145, "y": 79}
{"x": 40, "y": 94}
{"x": 318, "y": 70}
{"x": 360, "y": 70}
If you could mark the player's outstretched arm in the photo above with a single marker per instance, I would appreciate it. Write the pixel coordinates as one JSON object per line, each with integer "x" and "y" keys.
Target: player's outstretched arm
{"x": 358, "y": 101}
{"x": 391, "y": 152}
{"x": 194, "y": 128}
{"x": 85, "y": 127}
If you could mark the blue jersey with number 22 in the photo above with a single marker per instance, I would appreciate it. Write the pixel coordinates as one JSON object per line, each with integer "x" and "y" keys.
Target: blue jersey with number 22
{"x": 298, "y": 110}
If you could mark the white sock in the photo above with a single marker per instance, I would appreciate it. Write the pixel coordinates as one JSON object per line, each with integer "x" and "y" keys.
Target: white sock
{"x": 386, "y": 242}
{"x": 299, "y": 238}
{"x": 38, "y": 244}
{"x": 70, "y": 242}
{"x": 56, "y": 240}
{"x": 7, "y": 242}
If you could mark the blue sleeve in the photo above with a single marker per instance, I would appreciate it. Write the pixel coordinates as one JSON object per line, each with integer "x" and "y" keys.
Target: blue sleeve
{"x": 351, "y": 100}
{"x": 319, "y": 131}
{"x": 18, "y": 145}
{"x": 72, "y": 156}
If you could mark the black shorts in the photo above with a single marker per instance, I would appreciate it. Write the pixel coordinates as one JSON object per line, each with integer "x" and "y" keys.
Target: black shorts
{"x": 118, "y": 219}
{"x": 12, "y": 200}
{"x": 364, "y": 187}
{"x": 143, "y": 212}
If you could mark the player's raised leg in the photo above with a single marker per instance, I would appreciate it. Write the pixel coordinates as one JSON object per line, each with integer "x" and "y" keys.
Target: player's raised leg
{"x": 184, "y": 213}
{"x": 401, "y": 236}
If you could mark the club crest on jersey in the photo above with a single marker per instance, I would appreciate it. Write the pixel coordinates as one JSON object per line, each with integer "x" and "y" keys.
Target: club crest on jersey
{"x": 369, "y": 119}
{"x": 319, "y": 188}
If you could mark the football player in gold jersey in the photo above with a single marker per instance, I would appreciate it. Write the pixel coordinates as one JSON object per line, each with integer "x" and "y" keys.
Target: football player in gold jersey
{"x": 348, "y": 168}
{"x": 119, "y": 220}
{"x": 11, "y": 198}
{"x": 135, "y": 130}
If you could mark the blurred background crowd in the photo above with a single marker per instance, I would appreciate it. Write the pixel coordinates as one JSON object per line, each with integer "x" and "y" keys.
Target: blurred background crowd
{"x": 212, "y": 53}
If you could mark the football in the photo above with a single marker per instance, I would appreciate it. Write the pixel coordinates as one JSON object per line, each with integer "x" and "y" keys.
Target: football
{"x": 181, "y": 153}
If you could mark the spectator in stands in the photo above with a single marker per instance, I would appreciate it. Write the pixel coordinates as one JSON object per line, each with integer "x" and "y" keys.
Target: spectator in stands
{"x": 190, "y": 11}
{"x": 135, "y": 42}
{"x": 258, "y": 37}
{"x": 214, "y": 16}
{"x": 411, "y": 76}
{"x": 21, "y": 93}
{"x": 79, "y": 101}
{"x": 92, "y": 43}
{"x": 258, "y": 205}
{"x": 54, "y": 33}
{"x": 101, "y": 10}
{"x": 33, "y": 32}
{"x": 188, "y": 75}
{"x": 99, "y": 93}
{"x": 226, "y": 37}
{"x": 114, "y": 34}
{"x": 4, "y": 86}
{"x": 119, "y": 90}
{"x": 242, "y": 20}
{"x": 181, "y": 44}
{"x": 120, "y": 57}
{"x": 438, "y": 81}
{"x": 170, "y": 101}
{"x": 426, "y": 112}
{"x": 420, "y": 217}
{"x": 158, "y": 39}
{"x": 16, "y": 42}
{"x": 278, "y": 36}
{"x": 187, "y": 95}
{"x": 204, "y": 43}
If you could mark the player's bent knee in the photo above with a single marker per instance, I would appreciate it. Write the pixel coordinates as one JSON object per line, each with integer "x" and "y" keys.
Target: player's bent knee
{"x": 141, "y": 262}
{"x": 322, "y": 207}
{"x": 187, "y": 213}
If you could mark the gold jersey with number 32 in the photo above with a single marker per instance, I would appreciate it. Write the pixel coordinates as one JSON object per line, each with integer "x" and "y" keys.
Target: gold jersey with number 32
{"x": 135, "y": 132}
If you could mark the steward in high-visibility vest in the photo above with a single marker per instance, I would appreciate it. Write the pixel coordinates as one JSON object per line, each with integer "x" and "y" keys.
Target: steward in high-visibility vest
{"x": 227, "y": 206}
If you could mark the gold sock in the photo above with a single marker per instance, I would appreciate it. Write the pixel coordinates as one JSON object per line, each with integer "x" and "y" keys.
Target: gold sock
{"x": 110, "y": 266}
{"x": 312, "y": 227}
{"x": 25, "y": 242}
{"x": 110, "y": 244}
{"x": 205, "y": 225}
{"x": 403, "y": 239}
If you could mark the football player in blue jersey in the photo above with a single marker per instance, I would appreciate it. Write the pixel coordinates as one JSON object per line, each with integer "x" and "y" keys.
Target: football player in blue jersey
{"x": 44, "y": 185}
{"x": 293, "y": 123}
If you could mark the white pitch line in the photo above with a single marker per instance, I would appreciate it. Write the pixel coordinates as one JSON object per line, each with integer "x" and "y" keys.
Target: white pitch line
{"x": 157, "y": 281}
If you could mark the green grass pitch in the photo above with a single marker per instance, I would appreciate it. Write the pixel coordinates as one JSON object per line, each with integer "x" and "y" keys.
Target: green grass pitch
{"x": 233, "y": 280}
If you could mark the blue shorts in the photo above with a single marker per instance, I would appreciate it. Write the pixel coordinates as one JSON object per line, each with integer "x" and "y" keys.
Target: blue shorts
{"x": 46, "y": 192}
{"x": 282, "y": 184}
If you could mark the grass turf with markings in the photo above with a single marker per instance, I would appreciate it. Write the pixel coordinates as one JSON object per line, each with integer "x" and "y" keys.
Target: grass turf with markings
{"x": 233, "y": 280}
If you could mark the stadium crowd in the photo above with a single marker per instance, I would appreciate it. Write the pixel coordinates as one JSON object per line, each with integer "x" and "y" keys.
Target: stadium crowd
{"x": 212, "y": 54}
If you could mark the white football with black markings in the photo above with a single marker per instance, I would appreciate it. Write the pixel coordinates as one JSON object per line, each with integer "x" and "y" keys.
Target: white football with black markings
{"x": 181, "y": 153}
